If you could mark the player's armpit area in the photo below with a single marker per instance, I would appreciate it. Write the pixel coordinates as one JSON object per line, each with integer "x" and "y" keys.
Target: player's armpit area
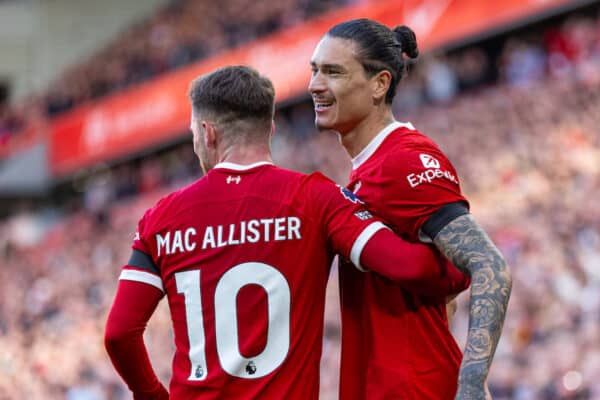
{"x": 133, "y": 306}
{"x": 466, "y": 244}
{"x": 399, "y": 260}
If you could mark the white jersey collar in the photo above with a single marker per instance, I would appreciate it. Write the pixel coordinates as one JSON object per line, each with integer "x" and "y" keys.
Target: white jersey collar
{"x": 240, "y": 167}
{"x": 376, "y": 141}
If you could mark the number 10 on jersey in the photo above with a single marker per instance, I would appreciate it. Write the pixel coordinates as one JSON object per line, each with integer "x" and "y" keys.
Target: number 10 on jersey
{"x": 226, "y": 328}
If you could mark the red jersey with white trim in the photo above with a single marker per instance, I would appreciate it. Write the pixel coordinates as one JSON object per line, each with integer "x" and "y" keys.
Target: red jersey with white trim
{"x": 243, "y": 256}
{"x": 397, "y": 344}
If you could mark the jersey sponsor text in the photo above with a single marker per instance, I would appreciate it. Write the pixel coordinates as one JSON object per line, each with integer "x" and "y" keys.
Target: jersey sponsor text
{"x": 429, "y": 175}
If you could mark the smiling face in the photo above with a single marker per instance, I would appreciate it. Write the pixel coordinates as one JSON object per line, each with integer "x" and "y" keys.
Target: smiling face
{"x": 342, "y": 93}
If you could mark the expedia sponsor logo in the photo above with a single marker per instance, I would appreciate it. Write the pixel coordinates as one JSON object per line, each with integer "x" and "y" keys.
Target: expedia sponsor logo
{"x": 429, "y": 161}
{"x": 429, "y": 175}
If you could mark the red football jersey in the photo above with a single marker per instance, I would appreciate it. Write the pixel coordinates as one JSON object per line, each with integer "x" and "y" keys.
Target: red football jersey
{"x": 243, "y": 256}
{"x": 397, "y": 344}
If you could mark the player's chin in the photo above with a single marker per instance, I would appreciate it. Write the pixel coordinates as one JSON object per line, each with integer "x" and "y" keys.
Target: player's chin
{"x": 324, "y": 124}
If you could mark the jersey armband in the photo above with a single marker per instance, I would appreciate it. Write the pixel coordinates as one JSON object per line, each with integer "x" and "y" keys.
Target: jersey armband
{"x": 442, "y": 217}
{"x": 143, "y": 261}
{"x": 142, "y": 269}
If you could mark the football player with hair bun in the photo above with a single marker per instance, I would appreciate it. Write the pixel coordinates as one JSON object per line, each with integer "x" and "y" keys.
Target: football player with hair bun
{"x": 243, "y": 257}
{"x": 396, "y": 343}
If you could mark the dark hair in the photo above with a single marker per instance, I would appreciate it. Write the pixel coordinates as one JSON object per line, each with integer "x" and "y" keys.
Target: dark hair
{"x": 234, "y": 94}
{"x": 379, "y": 47}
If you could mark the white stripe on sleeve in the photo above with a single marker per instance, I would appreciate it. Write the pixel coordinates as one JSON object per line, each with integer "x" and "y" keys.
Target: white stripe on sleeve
{"x": 361, "y": 241}
{"x": 142, "y": 276}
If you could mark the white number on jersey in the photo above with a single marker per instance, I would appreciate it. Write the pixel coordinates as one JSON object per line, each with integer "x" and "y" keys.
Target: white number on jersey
{"x": 228, "y": 287}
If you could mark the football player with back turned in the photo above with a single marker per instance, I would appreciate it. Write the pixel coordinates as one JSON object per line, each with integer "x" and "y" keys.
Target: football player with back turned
{"x": 243, "y": 256}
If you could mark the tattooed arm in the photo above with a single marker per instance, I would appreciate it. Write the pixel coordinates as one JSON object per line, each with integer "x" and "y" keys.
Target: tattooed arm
{"x": 465, "y": 243}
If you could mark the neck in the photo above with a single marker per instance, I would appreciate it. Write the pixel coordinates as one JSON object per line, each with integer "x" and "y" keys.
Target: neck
{"x": 246, "y": 155}
{"x": 355, "y": 140}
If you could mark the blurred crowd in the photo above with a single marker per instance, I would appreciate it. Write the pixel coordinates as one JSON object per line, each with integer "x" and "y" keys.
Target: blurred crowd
{"x": 182, "y": 32}
{"x": 524, "y": 135}
{"x": 570, "y": 49}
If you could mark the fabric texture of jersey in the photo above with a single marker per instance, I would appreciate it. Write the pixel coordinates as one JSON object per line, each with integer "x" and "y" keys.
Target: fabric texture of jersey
{"x": 243, "y": 256}
{"x": 396, "y": 343}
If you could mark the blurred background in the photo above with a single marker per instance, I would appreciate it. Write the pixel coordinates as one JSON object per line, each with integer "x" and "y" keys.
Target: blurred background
{"x": 94, "y": 129}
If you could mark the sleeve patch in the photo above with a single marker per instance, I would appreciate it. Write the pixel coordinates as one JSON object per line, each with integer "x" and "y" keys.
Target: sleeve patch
{"x": 363, "y": 215}
{"x": 350, "y": 196}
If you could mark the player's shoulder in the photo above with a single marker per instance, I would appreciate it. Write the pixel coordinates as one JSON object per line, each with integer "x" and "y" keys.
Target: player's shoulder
{"x": 408, "y": 138}
{"x": 318, "y": 184}
{"x": 170, "y": 201}
{"x": 295, "y": 178}
{"x": 317, "y": 178}
{"x": 280, "y": 181}
{"x": 280, "y": 172}
{"x": 407, "y": 145}
{"x": 323, "y": 188}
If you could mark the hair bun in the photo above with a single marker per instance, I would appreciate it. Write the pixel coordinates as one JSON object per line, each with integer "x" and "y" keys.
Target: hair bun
{"x": 408, "y": 41}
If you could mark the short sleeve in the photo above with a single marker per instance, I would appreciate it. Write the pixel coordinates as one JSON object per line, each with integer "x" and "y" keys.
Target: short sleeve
{"x": 416, "y": 183}
{"x": 347, "y": 224}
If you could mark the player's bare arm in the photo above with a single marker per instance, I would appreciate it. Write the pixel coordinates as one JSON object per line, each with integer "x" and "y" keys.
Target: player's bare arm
{"x": 467, "y": 245}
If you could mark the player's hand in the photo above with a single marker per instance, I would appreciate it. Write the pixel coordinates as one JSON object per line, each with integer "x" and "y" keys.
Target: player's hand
{"x": 469, "y": 391}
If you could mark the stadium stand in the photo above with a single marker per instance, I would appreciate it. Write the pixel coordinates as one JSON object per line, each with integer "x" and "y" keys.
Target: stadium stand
{"x": 521, "y": 126}
{"x": 178, "y": 34}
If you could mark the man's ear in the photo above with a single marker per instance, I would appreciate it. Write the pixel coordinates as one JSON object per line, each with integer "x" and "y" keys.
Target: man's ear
{"x": 381, "y": 83}
{"x": 210, "y": 134}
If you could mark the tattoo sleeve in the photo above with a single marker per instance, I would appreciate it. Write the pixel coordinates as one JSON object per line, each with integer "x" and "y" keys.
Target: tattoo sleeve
{"x": 465, "y": 243}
